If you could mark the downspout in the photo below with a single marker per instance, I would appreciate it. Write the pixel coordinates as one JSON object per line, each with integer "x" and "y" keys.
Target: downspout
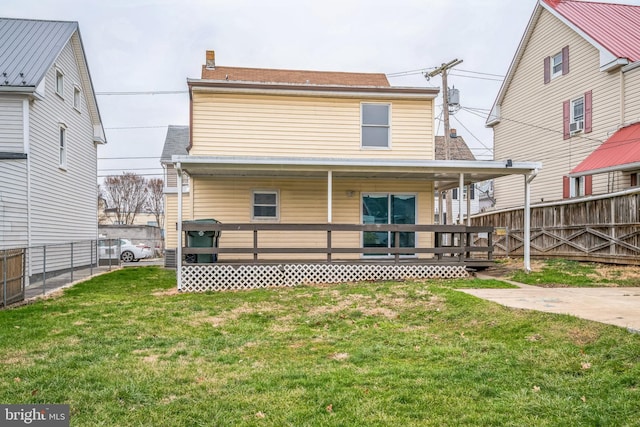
{"x": 527, "y": 219}
{"x": 26, "y": 124}
{"x": 179, "y": 248}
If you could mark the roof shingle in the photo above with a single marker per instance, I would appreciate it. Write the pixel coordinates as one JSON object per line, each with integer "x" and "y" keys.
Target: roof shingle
{"x": 297, "y": 77}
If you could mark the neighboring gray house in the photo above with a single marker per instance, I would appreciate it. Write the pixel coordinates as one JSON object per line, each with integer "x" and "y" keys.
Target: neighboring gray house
{"x": 175, "y": 144}
{"x": 50, "y": 128}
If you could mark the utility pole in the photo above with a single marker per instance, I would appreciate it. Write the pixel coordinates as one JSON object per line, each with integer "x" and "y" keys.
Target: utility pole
{"x": 443, "y": 69}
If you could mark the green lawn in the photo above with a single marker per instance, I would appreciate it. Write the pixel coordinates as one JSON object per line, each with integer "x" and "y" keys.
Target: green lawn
{"x": 561, "y": 272}
{"x": 124, "y": 349}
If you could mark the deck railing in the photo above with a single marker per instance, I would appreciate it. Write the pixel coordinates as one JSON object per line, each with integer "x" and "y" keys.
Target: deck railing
{"x": 452, "y": 244}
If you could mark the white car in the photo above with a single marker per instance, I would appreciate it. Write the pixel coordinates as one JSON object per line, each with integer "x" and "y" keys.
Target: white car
{"x": 124, "y": 249}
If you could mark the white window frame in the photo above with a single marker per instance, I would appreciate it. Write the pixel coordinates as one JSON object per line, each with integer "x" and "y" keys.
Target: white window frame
{"x": 578, "y": 121}
{"x": 577, "y": 187}
{"x": 62, "y": 146}
{"x": 59, "y": 87}
{"x": 556, "y": 62}
{"x": 253, "y": 205}
{"x": 363, "y": 126}
{"x": 77, "y": 98}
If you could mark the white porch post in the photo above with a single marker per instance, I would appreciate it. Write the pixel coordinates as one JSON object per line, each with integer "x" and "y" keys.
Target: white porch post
{"x": 460, "y": 187}
{"x": 179, "y": 249}
{"x": 527, "y": 220}
{"x": 329, "y": 196}
{"x": 469, "y": 205}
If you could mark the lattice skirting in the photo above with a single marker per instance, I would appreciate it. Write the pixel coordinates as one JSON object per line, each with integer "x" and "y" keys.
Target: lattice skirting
{"x": 221, "y": 277}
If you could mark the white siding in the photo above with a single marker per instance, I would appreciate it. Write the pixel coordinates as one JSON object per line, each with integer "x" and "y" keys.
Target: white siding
{"x": 531, "y": 114}
{"x": 11, "y": 127}
{"x": 13, "y": 204}
{"x": 64, "y": 202}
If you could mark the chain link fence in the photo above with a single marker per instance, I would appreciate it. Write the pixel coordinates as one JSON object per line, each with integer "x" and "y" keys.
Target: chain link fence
{"x": 37, "y": 270}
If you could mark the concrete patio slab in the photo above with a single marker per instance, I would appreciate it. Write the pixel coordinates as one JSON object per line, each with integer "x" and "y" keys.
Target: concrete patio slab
{"x": 615, "y": 306}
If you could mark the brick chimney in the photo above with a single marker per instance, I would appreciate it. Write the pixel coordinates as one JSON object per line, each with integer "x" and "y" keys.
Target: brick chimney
{"x": 211, "y": 60}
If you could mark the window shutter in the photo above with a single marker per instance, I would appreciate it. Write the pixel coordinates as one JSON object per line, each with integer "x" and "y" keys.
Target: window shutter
{"x": 588, "y": 115}
{"x": 566, "y": 116}
{"x": 634, "y": 179}
{"x": 455, "y": 194}
{"x": 565, "y": 187}
{"x": 588, "y": 185}
{"x": 473, "y": 191}
{"x": 565, "y": 60}
{"x": 547, "y": 69}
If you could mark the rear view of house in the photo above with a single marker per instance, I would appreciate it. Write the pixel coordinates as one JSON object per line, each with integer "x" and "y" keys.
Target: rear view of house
{"x": 314, "y": 169}
{"x": 50, "y": 128}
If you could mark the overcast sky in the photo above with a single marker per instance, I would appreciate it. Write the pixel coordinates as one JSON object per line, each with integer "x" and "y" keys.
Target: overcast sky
{"x": 155, "y": 45}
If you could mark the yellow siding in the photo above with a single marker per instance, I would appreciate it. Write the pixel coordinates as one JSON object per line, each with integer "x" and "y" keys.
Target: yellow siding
{"x": 301, "y": 201}
{"x": 171, "y": 217}
{"x": 632, "y": 96}
{"x": 531, "y": 114}
{"x": 231, "y": 124}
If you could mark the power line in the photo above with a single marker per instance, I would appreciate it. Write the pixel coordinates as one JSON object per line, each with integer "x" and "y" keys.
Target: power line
{"x": 474, "y": 77}
{"x": 131, "y": 169}
{"x": 471, "y": 133}
{"x": 478, "y": 72}
{"x": 128, "y": 158}
{"x": 136, "y": 127}
{"x": 150, "y": 92}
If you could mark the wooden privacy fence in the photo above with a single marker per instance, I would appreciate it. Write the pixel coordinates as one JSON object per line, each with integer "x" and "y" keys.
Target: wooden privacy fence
{"x": 12, "y": 267}
{"x": 599, "y": 228}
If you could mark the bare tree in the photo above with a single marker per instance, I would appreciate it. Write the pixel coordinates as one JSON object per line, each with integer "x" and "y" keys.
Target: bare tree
{"x": 155, "y": 199}
{"x": 126, "y": 195}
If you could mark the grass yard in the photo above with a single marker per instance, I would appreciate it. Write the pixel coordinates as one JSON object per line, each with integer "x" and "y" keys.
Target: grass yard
{"x": 124, "y": 349}
{"x": 565, "y": 273}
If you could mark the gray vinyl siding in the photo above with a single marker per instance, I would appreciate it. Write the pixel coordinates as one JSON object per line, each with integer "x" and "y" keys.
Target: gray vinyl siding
{"x": 531, "y": 126}
{"x": 13, "y": 204}
{"x": 64, "y": 202}
{"x": 11, "y": 127}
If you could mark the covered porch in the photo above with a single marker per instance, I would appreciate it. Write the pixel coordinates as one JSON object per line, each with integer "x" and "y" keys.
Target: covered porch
{"x": 341, "y": 247}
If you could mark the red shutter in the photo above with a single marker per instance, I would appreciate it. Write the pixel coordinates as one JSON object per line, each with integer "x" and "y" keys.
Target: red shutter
{"x": 547, "y": 69}
{"x": 565, "y": 187}
{"x": 566, "y": 116}
{"x": 588, "y": 115}
{"x": 634, "y": 179}
{"x": 588, "y": 185}
{"x": 565, "y": 60}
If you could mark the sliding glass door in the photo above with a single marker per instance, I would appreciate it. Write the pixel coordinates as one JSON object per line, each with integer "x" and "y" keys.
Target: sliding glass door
{"x": 380, "y": 208}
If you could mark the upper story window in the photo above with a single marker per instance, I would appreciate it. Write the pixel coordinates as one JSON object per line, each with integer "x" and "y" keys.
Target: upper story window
{"x": 265, "y": 205}
{"x": 62, "y": 144}
{"x": 556, "y": 65}
{"x": 375, "y": 125}
{"x": 77, "y": 98}
{"x": 59, "y": 83}
{"x": 577, "y": 113}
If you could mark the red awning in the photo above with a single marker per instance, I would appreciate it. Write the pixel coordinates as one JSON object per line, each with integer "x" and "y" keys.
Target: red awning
{"x": 620, "y": 152}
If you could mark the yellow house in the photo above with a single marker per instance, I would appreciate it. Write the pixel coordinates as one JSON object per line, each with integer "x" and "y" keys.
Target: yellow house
{"x": 308, "y": 166}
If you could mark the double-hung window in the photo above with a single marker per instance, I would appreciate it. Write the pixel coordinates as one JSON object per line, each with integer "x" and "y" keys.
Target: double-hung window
{"x": 264, "y": 205}
{"x": 62, "y": 145}
{"x": 77, "y": 98}
{"x": 556, "y": 65}
{"x": 375, "y": 125}
{"x": 59, "y": 83}
{"x": 577, "y": 115}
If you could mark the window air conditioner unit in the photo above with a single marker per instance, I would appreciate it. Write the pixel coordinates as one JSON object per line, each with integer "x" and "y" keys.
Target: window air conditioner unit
{"x": 576, "y": 127}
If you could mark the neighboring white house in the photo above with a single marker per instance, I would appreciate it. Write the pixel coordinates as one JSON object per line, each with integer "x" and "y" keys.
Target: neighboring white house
{"x": 50, "y": 127}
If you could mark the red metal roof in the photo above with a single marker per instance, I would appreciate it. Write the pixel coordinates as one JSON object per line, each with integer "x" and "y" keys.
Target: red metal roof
{"x": 615, "y": 26}
{"x": 622, "y": 148}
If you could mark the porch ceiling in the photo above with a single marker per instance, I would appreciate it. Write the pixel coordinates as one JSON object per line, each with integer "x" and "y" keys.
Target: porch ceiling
{"x": 444, "y": 173}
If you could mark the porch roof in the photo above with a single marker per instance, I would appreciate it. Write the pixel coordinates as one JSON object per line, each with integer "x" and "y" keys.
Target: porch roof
{"x": 444, "y": 173}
